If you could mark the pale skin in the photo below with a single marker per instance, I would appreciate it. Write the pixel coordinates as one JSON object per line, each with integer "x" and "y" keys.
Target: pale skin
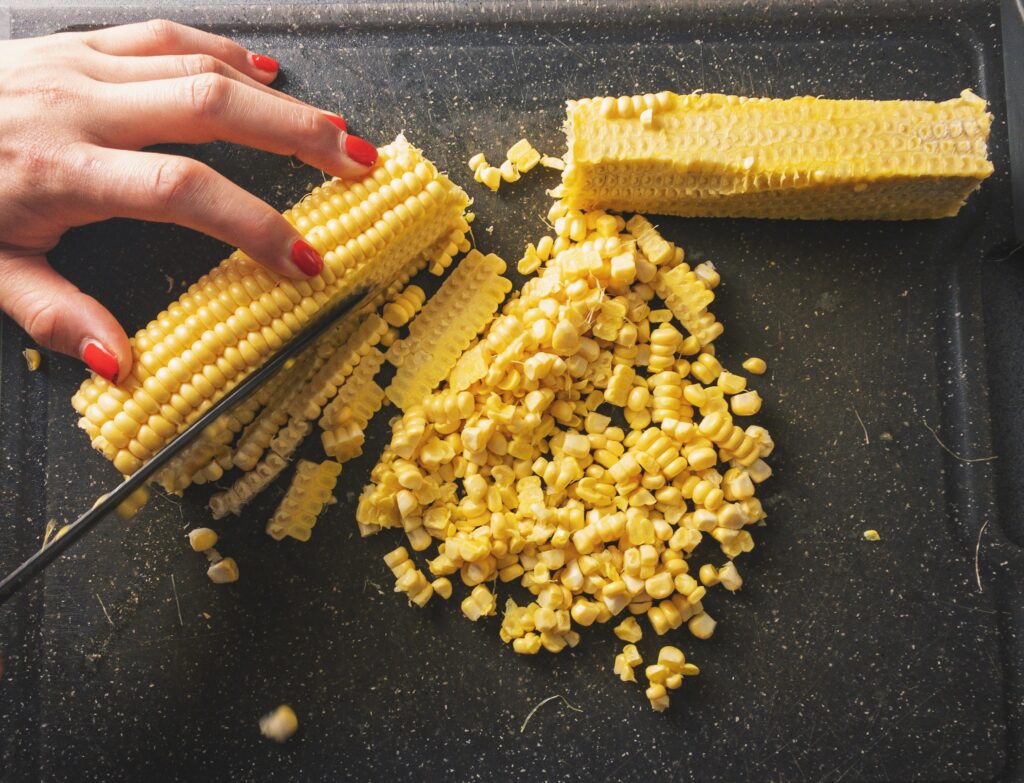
{"x": 76, "y": 109}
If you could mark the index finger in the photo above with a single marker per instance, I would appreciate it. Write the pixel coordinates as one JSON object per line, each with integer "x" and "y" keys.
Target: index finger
{"x": 162, "y": 37}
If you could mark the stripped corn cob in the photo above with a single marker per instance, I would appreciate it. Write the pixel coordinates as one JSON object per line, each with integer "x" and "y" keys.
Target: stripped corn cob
{"x": 403, "y": 215}
{"x": 310, "y": 490}
{"x": 460, "y": 309}
{"x": 808, "y": 158}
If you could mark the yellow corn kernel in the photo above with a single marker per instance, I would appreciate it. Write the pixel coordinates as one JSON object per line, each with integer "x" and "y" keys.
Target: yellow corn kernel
{"x": 701, "y": 625}
{"x": 490, "y": 176}
{"x": 32, "y": 359}
{"x": 849, "y": 171}
{"x": 872, "y": 535}
{"x": 223, "y": 571}
{"x": 730, "y": 383}
{"x": 202, "y": 539}
{"x": 280, "y": 724}
{"x": 746, "y": 404}
{"x": 755, "y": 365}
{"x": 629, "y": 630}
{"x": 476, "y": 161}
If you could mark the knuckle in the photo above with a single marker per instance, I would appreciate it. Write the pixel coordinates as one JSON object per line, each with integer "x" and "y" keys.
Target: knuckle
{"x": 197, "y": 64}
{"x": 172, "y": 179}
{"x": 43, "y": 321}
{"x": 206, "y": 92}
{"x": 40, "y": 161}
{"x": 309, "y": 124}
{"x": 161, "y": 30}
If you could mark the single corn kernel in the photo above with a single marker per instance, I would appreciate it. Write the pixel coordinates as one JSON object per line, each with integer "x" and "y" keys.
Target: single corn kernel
{"x": 629, "y": 630}
{"x": 746, "y": 404}
{"x": 223, "y": 571}
{"x": 701, "y": 625}
{"x": 202, "y": 538}
{"x": 32, "y": 358}
{"x": 872, "y": 535}
{"x": 443, "y": 587}
{"x": 280, "y": 724}
{"x": 755, "y": 365}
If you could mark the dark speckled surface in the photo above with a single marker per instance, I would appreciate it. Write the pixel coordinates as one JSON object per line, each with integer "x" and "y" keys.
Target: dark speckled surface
{"x": 840, "y": 660}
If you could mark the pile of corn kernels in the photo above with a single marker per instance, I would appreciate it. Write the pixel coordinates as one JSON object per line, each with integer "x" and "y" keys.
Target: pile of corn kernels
{"x": 584, "y": 446}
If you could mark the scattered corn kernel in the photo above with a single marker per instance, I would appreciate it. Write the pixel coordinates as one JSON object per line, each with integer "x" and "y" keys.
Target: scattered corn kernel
{"x": 202, "y": 538}
{"x": 280, "y": 724}
{"x": 32, "y": 358}
{"x": 872, "y": 535}
{"x": 755, "y": 365}
{"x": 223, "y": 571}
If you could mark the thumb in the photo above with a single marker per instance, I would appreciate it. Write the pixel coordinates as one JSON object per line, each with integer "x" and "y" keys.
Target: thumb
{"x": 60, "y": 317}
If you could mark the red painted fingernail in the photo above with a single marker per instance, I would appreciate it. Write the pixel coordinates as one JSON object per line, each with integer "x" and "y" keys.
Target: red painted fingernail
{"x": 360, "y": 150}
{"x": 305, "y": 257}
{"x": 265, "y": 63}
{"x": 100, "y": 360}
{"x": 339, "y": 121}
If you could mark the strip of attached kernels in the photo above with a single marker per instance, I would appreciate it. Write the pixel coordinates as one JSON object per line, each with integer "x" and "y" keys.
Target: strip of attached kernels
{"x": 310, "y": 490}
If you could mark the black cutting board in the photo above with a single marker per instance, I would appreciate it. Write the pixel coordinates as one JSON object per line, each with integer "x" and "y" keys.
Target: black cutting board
{"x": 840, "y": 659}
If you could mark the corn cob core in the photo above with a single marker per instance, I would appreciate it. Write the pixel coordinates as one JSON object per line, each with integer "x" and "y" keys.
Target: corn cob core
{"x": 805, "y": 158}
{"x": 399, "y": 218}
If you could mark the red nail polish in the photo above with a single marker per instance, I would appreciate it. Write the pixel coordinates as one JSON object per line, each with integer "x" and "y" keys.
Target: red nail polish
{"x": 305, "y": 257}
{"x": 100, "y": 360}
{"x": 360, "y": 150}
{"x": 264, "y": 63}
{"x": 339, "y": 121}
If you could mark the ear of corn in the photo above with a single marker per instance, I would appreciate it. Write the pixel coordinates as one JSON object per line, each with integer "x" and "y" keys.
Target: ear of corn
{"x": 809, "y": 158}
{"x": 402, "y": 216}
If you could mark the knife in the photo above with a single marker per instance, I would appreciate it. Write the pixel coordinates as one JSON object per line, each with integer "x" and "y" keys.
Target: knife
{"x": 54, "y": 548}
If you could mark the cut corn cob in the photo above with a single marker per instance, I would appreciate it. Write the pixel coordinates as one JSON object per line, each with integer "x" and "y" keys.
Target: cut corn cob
{"x": 808, "y": 158}
{"x": 226, "y": 324}
{"x": 460, "y": 309}
{"x": 310, "y": 490}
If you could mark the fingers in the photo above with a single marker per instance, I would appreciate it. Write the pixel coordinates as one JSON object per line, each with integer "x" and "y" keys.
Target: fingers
{"x": 119, "y": 70}
{"x": 160, "y": 36}
{"x": 171, "y": 189}
{"x": 60, "y": 317}
{"x": 212, "y": 107}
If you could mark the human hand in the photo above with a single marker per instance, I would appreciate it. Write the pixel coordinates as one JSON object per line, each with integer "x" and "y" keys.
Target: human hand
{"x": 76, "y": 108}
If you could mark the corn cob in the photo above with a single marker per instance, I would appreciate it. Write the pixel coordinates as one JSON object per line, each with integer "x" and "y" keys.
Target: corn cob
{"x": 308, "y": 494}
{"x": 808, "y": 158}
{"x": 462, "y": 307}
{"x": 402, "y": 216}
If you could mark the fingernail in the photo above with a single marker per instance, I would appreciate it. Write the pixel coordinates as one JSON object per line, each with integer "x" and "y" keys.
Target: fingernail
{"x": 360, "y": 150}
{"x": 265, "y": 63}
{"x": 339, "y": 121}
{"x": 100, "y": 360}
{"x": 305, "y": 257}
